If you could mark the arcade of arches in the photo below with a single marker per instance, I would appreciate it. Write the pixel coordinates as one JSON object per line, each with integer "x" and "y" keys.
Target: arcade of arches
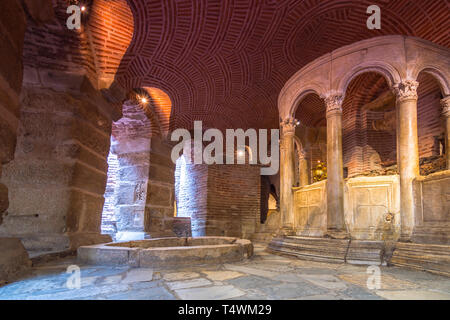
{"x": 364, "y": 116}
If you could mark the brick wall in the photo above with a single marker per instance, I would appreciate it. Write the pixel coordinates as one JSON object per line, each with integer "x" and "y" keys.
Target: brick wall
{"x": 221, "y": 200}
{"x": 109, "y": 220}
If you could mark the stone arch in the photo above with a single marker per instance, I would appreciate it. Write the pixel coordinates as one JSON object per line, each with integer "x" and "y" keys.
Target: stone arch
{"x": 331, "y": 73}
{"x": 439, "y": 76}
{"x": 386, "y": 70}
{"x": 310, "y": 89}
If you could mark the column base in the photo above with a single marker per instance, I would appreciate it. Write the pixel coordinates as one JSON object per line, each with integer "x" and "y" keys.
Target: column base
{"x": 337, "y": 234}
{"x": 286, "y": 231}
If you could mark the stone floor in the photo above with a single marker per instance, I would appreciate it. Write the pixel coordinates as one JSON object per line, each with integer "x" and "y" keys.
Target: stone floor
{"x": 265, "y": 276}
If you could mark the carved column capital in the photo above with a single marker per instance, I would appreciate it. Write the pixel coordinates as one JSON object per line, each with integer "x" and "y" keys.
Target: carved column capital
{"x": 333, "y": 104}
{"x": 406, "y": 90}
{"x": 302, "y": 154}
{"x": 288, "y": 126}
{"x": 445, "y": 103}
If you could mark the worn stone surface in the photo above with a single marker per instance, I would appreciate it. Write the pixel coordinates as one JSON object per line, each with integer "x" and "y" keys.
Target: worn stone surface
{"x": 247, "y": 280}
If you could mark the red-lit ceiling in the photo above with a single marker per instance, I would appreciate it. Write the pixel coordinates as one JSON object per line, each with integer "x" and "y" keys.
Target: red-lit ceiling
{"x": 225, "y": 62}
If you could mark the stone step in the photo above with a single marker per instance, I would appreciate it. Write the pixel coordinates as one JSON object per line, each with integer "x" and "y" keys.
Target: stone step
{"x": 332, "y": 250}
{"x": 309, "y": 248}
{"x": 428, "y": 257}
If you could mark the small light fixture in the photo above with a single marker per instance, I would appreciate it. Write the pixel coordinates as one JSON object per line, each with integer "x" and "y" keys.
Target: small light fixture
{"x": 83, "y": 8}
{"x": 240, "y": 153}
{"x": 144, "y": 100}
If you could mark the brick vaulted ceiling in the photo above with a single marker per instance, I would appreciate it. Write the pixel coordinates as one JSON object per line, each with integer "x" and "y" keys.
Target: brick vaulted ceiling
{"x": 225, "y": 61}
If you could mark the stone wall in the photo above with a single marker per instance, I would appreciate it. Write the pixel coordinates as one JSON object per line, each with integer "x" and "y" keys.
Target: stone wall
{"x": 58, "y": 176}
{"x": 14, "y": 261}
{"x": 11, "y": 46}
{"x": 192, "y": 196}
{"x": 159, "y": 205}
{"x": 432, "y": 197}
{"x": 310, "y": 209}
{"x": 372, "y": 207}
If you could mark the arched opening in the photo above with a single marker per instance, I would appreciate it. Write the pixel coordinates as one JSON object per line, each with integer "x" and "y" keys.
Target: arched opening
{"x": 311, "y": 140}
{"x": 369, "y": 127}
{"x": 430, "y": 125}
{"x": 139, "y": 198}
{"x": 128, "y": 174}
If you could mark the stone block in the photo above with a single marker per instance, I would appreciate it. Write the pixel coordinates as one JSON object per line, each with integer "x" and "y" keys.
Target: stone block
{"x": 161, "y": 174}
{"x": 88, "y": 179}
{"x": 14, "y": 261}
{"x": 86, "y": 211}
{"x": 159, "y": 196}
{"x": 428, "y": 257}
{"x": 137, "y": 173}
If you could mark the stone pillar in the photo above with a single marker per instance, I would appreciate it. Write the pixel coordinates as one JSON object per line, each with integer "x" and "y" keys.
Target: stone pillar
{"x": 287, "y": 174}
{"x": 446, "y": 114}
{"x": 303, "y": 170}
{"x": 408, "y": 152}
{"x": 335, "y": 172}
{"x": 160, "y": 199}
{"x": 131, "y": 143}
{"x": 58, "y": 176}
{"x": 12, "y": 31}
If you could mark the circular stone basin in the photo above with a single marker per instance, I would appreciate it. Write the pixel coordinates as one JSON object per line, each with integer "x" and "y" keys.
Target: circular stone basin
{"x": 167, "y": 252}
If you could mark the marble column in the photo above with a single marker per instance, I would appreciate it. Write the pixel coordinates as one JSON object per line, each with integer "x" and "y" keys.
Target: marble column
{"x": 335, "y": 172}
{"x": 287, "y": 174}
{"x": 408, "y": 152}
{"x": 446, "y": 114}
{"x": 303, "y": 171}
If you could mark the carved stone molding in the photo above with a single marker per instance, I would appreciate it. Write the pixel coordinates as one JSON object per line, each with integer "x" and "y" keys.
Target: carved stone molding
{"x": 288, "y": 126}
{"x": 445, "y": 103}
{"x": 406, "y": 90}
{"x": 333, "y": 103}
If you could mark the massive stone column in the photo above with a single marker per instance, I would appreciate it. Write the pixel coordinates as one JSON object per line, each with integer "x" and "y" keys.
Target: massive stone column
{"x": 446, "y": 114}
{"x": 131, "y": 143}
{"x": 287, "y": 174}
{"x": 408, "y": 151}
{"x": 12, "y": 31}
{"x": 335, "y": 172}
{"x": 58, "y": 176}
{"x": 303, "y": 168}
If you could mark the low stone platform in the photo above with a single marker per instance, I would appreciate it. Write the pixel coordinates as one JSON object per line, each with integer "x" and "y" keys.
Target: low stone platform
{"x": 331, "y": 250}
{"x": 428, "y": 257}
{"x": 167, "y": 252}
{"x": 309, "y": 248}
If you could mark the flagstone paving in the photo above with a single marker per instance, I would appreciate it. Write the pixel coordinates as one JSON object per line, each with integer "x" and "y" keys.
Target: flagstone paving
{"x": 265, "y": 276}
